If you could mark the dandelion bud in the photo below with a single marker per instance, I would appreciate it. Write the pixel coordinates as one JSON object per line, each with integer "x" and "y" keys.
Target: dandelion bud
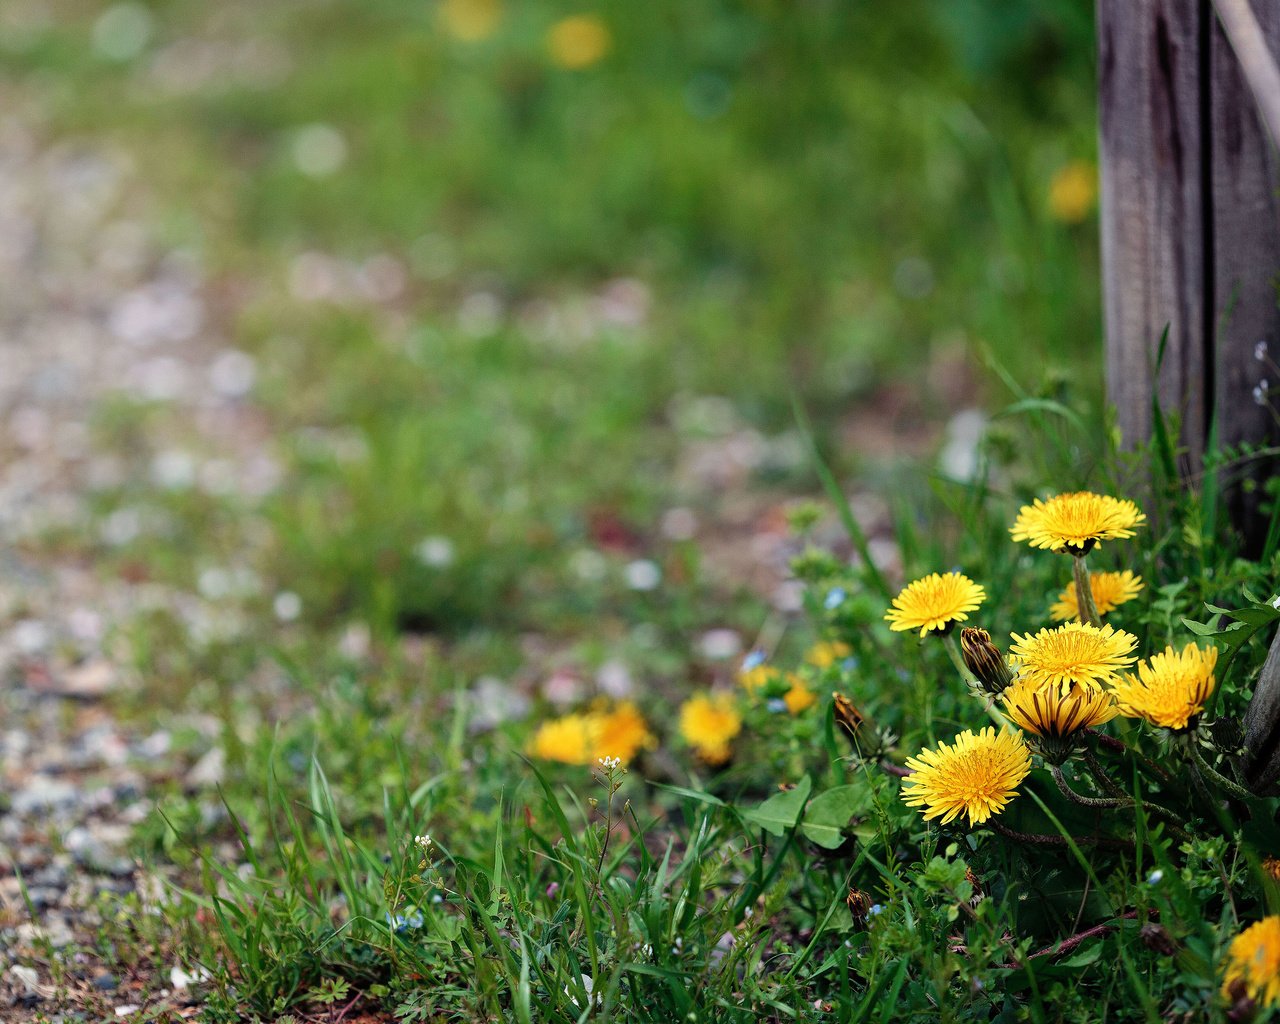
{"x": 984, "y": 660}
{"x": 859, "y": 906}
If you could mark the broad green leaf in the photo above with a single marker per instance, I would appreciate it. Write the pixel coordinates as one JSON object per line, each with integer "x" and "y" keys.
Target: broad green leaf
{"x": 782, "y": 810}
{"x": 829, "y": 812}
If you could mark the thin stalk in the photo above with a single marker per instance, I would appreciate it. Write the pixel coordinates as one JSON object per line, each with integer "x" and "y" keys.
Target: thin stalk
{"x": 1088, "y": 611}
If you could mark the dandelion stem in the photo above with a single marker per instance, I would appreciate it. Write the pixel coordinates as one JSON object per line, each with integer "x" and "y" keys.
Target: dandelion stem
{"x": 1087, "y": 610}
{"x": 957, "y": 659}
{"x": 1040, "y": 839}
{"x": 1176, "y": 821}
{"x": 1100, "y": 775}
{"x": 1216, "y": 777}
{"x": 1119, "y": 747}
{"x": 1065, "y": 789}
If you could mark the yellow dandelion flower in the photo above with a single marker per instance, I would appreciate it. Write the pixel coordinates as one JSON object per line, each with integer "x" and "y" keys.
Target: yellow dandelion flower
{"x": 1073, "y": 191}
{"x": 935, "y": 602}
{"x": 1076, "y": 522}
{"x": 978, "y": 774}
{"x": 579, "y": 41}
{"x": 621, "y": 733}
{"x": 799, "y": 697}
{"x": 1110, "y": 591}
{"x": 1171, "y": 687}
{"x": 708, "y": 723}
{"x": 827, "y": 652}
{"x": 568, "y": 739}
{"x": 1253, "y": 963}
{"x": 1074, "y": 653}
{"x": 471, "y": 20}
{"x": 1055, "y": 716}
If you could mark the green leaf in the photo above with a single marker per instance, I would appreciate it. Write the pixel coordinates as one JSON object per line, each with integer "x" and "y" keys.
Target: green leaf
{"x": 782, "y": 810}
{"x": 828, "y": 813}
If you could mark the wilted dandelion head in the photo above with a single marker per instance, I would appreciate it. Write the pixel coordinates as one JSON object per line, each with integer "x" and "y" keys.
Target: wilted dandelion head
{"x": 978, "y": 775}
{"x": 1074, "y": 653}
{"x": 1170, "y": 688}
{"x": 1055, "y": 716}
{"x": 1109, "y": 589}
{"x": 1253, "y": 963}
{"x": 708, "y": 723}
{"x": 936, "y": 602}
{"x": 1076, "y": 522}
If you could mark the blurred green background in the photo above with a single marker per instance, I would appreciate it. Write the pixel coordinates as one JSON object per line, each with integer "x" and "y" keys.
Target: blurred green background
{"x": 518, "y": 277}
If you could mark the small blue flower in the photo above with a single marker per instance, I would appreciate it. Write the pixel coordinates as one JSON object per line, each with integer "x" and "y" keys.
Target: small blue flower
{"x": 754, "y": 659}
{"x": 849, "y": 664}
{"x": 835, "y": 598}
{"x": 1155, "y": 877}
{"x": 405, "y": 922}
{"x": 875, "y": 910}
{"x": 777, "y": 705}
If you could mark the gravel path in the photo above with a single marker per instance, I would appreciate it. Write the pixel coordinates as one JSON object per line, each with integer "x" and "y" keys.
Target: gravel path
{"x": 91, "y": 310}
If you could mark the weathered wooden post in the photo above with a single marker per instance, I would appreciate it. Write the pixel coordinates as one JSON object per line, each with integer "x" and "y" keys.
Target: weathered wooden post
{"x": 1191, "y": 222}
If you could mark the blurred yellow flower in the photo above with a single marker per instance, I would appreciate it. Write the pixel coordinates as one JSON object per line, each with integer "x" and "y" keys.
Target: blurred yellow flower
{"x": 585, "y": 737}
{"x": 579, "y": 41}
{"x": 708, "y": 723}
{"x": 799, "y": 697}
{"x": 471, "y": 20}
{"x": 1253, "y": 963}
{"x": 1076, "y": 522}
{"x": 1075, "y": 653}
{"x": 1171, "y": 687}
{"x": 1110, "y": 590}
{"x": 567, "y": 739}
{"x": 936, "y": 602}
{"x": 827, "y": 652}
{"x": 620, "y": 733}
{"x": 1073, "y": 191}
{"x": 977, "y": 774}
{"x": 752, "y": 679}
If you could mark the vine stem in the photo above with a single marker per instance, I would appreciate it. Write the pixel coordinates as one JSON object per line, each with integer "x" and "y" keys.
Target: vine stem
{"x": 1065, "y": 789}
{"x": 1087, "y": 611}
{"x": 1040, "y": 839}
{"x": 1100, "y": 775}
{"x": 1215, "y": 776}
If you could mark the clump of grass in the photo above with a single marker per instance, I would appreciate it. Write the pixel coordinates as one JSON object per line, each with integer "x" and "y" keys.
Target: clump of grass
{"x": 1077, "y": 839}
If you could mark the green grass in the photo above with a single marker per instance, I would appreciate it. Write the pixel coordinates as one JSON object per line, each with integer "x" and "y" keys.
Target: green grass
{"x": 794, "y": 223}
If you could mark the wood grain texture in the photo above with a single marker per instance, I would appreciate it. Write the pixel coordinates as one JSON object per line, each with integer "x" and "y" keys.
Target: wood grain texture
{"x": 1190, "y": 231}
{"x": 1244, "y": 181}
{"x": 1152, "y": 186}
